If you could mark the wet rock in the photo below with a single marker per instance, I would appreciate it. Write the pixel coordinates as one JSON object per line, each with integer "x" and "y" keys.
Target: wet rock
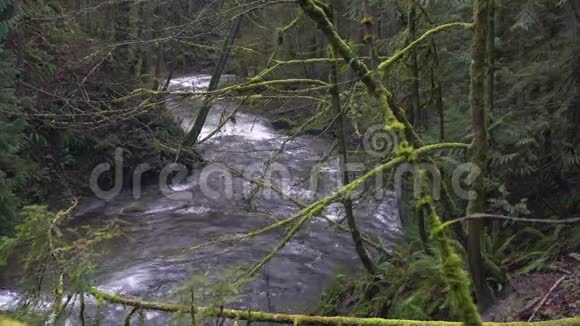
{"x": 134, "y": 207}
{"x": 283, "y": 123}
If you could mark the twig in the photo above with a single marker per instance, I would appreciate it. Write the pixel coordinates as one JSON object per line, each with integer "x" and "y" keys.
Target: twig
{"x": 193, "y": 323}
{"x": 221, "y": 315}
{"x": 82, "y": 310}
{"x": 545, "y": 298}
{"x": 129, "y": 315}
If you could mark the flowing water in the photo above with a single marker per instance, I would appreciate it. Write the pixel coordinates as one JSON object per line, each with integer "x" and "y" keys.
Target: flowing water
{"x": 148, "y": 261}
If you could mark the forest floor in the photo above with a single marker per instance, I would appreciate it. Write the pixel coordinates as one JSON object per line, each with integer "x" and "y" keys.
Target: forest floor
{"x": 546, "y": 295}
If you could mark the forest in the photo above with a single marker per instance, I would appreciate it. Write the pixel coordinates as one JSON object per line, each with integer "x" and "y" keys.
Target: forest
{"x": 300, "y": 162}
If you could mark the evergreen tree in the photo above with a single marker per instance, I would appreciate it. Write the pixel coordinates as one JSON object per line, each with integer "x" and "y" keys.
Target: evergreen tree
{"x": 9, "y": 131}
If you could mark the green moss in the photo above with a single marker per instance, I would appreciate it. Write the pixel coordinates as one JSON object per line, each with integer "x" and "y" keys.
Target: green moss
{"x": 5, "y": 321}
{"x": 406, "y": 151}
{"x": 456, "y": 277}
{"x": 396, "y": 126}
{"x": 367, "y": 20}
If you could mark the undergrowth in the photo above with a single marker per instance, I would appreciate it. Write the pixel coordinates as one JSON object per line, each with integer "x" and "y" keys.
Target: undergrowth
{"x": 411, "y": 284}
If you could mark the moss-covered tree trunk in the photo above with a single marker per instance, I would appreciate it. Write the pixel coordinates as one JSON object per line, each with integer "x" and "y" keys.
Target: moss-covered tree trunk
{"x": 478, "y": 155}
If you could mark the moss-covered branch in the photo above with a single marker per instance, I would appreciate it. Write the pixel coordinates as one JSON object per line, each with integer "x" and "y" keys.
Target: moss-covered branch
{"x": 316, "y": 207}
{"x": 243, "y": 88}
{"x": 240, "y": 88}
{"x": 387, "y": 63}
{"x": 259, "y": 316}
{"x": 572, "y": 220}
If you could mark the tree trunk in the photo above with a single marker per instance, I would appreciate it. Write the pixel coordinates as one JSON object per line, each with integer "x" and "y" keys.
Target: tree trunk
{"x": 490, "y": 52}
{"x": 437, "y": 93}
{"x": 420, "y": 215}
{"x": 121, "y": 35}
{"x": 479, "y": 144}
{"x": 193, "y": 135}
{"x": 157, "y": 67}
{"x": 368, "y": 24}
{"x": 147, "y": 48}
{"x": 439, "y": 105}
{"x": 415, "y": 91}
{"x": 343, "y": 161}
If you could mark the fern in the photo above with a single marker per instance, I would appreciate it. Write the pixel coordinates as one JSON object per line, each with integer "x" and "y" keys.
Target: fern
{"x": 528, "y": 249}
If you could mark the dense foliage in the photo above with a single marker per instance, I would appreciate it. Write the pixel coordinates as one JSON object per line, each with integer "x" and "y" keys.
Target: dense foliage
{"x": 9, "y": 130}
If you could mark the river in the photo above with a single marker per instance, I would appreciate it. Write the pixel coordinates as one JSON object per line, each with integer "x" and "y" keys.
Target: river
{"x": 149, "y": 262}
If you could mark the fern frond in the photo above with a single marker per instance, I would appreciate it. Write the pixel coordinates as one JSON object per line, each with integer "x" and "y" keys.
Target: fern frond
{"x": 499, "y": 159}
